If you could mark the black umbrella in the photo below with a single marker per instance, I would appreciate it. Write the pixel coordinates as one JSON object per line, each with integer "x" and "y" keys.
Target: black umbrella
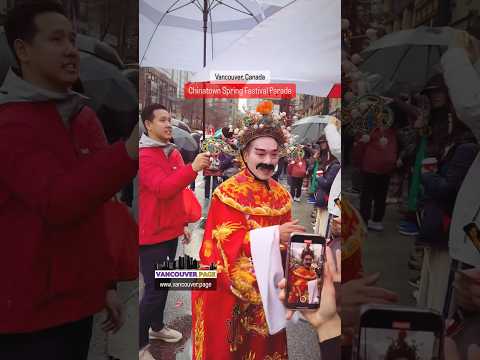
{"x": 185, "y": 143}
{"x": 111, "y": 94}
{"x": 181, "y": 124}
{"x": 197, "y": 137}
{"x": 6, "y": 57}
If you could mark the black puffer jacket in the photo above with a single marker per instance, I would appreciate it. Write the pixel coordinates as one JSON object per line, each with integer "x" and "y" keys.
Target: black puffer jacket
{"x": 325, "y": 183}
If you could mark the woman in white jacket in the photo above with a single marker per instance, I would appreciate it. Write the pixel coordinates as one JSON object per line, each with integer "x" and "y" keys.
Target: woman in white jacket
{"x": 334, "y": 139}
{"x": 462, "y": 75}
{"x": 461, "y": 70}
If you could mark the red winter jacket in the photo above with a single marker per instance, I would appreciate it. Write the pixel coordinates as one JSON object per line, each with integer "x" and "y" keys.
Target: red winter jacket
{"x": 375, "y": 158}
{"x": 297, "y": 169}
{"x": 162, "y": 215}
{"x": 53, "y": 184}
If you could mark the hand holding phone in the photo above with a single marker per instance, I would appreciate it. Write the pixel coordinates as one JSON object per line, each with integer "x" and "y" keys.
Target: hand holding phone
{"x": 325, "y": 319}
{"x": 304, "y": 268}
{"x": 451, "y": 351}
{"x": 359, "y": 292}
{"x": 467, "y": 289}
{"x": 288, "y": 228}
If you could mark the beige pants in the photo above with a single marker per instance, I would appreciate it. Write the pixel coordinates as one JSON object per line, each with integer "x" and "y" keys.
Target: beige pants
{"x": 434, "y": 279}
{"x": 321, "y": 220}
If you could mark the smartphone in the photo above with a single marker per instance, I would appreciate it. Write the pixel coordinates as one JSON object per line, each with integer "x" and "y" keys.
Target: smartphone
{"x": 393, "y": 332}
{"x": 304, "y": 269}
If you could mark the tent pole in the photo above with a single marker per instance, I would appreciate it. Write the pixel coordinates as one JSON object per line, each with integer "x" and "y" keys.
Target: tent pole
{"x": 205, "y": 27}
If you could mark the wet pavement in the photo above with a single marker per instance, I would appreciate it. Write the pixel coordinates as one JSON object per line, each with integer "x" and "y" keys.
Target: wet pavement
{"x": 387, "y": 250}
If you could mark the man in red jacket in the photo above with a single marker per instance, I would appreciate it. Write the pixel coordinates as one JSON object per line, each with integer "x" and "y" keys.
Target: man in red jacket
{"x": 57, "y": 172}
{"x": 163, "y": 177}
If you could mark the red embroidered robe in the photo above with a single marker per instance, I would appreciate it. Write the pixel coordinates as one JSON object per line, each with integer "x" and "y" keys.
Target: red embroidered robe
{"x": 229, "y": 322}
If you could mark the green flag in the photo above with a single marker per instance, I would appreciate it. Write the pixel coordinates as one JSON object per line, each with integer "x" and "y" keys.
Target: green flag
{"x": 417, "y": 172}
{"x": 313, "y": 181}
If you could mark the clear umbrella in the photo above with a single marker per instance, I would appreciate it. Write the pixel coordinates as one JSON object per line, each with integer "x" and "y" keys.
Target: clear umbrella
{"x": 405, "y": 60}
{"x": 309, "y": 129}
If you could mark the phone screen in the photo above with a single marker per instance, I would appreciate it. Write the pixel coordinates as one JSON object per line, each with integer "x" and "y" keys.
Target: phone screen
{"x": 305, "y": 258}
{"x": 390, "y": 339}
{"x": 393, "y": 344}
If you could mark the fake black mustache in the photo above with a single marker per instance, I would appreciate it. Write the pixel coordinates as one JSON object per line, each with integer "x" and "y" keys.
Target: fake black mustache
{"x": 266, "y": 166}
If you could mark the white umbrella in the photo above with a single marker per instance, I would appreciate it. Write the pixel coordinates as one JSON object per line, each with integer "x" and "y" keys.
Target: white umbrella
{"x": 299, "y": 44}
{"x": 405, "y": 60}
{"x": 172, "y": 31}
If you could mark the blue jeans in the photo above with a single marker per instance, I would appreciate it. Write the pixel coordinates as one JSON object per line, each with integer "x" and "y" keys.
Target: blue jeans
{"x": 214, "y": 183}
{"x": 153, "y": 301}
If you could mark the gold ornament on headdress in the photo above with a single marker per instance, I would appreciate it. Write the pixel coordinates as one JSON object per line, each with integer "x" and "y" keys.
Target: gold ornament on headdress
{"x": 263, "y": 123}
{"x": 216, "y": 146}
{"x": 295, "y": 151}
{"x": 366, "y": 113}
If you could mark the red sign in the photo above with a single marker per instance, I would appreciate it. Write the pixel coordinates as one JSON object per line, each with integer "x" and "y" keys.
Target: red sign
{"x": 335, "y": 92}
{"x": 239, "y": 91}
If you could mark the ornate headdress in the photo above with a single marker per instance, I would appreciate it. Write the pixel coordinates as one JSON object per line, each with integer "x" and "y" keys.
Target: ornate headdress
{"x": 216, "y": 146}
{"x": 366, "y": 113}
{"x": 263, "y": 123}
{"x": 307, "y": 251}
{"x": 295, "y": 151}
{"x": 401, "y": 349}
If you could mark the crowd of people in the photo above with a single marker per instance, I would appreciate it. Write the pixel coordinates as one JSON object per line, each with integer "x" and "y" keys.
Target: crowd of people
{"x": 417, "y": 149}
{"x": 310, "y": 171}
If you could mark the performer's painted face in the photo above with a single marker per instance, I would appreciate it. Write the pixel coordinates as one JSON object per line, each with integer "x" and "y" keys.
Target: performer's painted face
{"x": 262, "y": 157}
{"x": 307, "y": 261}
{"x": 160, "y": 126}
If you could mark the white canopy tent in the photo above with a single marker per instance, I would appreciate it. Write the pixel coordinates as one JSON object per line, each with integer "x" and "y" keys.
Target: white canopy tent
{"x": 171, "y": 32}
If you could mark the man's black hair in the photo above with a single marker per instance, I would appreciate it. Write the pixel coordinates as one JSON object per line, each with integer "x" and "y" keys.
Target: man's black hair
{"x": 147, "y": 113}
{"x": 20, "y": 23}
{"x": 227, "y": 132}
